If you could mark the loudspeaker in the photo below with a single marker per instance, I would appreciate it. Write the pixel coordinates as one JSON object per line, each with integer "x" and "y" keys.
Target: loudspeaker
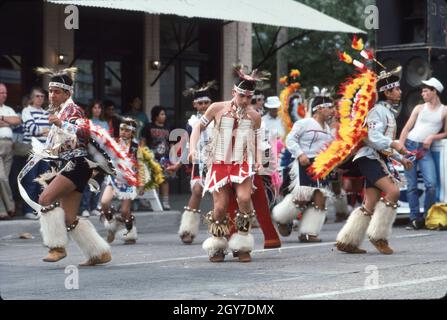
{"x": 415, "y": 22}
{"x": 418, "y": 64}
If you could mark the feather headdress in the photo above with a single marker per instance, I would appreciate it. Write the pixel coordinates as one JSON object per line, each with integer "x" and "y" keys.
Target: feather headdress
{"x": 292, "y": 104}
{"x": 71, "y": 72}
{"x": 255, "y": 75}
{"x": 203, "y": 88}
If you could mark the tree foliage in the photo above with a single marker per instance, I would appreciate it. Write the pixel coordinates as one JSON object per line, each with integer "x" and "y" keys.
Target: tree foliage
{"x": 315, "y": 53}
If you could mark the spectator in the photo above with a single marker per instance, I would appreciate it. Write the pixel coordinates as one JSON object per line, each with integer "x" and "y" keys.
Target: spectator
{"x": 90, "y": 200}
{"x": 20, "y": 152}
{"x": 112, "y": 118}
{"x": 35, "y": 123}
{"x": 422, "y": 128}
{"x": 8, "y": 118}
{"x": 138, "y": 115}
{"x": 156, "y": 137}
{"x": 258, "y": 101}
{"x": 271, "y": 120}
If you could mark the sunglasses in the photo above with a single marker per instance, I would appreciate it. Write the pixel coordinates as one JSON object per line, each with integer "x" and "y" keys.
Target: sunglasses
{"x": 203, "y": 102}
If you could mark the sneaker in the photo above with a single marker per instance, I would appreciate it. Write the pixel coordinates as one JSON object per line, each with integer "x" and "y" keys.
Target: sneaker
{"x": 31, "y": 216}
{"x": 415, "y": 225}
{"x": 166, "y": 206}
{"x": 95, "y": 212}
{"x": 85, "y": 213}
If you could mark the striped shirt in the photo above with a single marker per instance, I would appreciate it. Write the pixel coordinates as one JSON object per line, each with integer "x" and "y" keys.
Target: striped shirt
{"x": 34, "y": 121}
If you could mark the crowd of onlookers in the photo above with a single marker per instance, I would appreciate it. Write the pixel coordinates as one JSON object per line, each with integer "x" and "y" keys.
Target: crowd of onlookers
{"x": 30, "y": 120}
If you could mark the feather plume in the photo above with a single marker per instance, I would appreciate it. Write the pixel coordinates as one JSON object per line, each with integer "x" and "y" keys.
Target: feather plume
{"x": 71, "y": 72}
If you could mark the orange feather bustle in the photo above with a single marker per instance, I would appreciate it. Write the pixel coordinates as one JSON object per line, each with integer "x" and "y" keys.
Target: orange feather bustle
{"x": 358, "y": 98}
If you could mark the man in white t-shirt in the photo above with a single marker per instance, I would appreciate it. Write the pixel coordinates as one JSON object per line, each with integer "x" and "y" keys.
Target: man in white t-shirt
{"x": 271, "y": 119}
{"x": 422, "y": 128}
{"x": 8, "y": 118}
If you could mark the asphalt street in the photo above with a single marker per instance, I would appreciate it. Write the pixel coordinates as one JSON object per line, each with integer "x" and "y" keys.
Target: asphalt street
{"x": 159, "y": 266}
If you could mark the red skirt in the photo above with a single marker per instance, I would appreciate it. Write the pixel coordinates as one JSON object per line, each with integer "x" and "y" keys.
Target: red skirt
{"x": 222, "y": 174}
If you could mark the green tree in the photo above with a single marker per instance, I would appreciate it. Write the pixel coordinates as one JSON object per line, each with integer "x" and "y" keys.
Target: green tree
{"x": 314, "y": 54}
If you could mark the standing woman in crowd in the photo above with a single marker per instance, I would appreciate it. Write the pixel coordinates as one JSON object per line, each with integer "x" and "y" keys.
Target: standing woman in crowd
{"x": 422, "y": 129}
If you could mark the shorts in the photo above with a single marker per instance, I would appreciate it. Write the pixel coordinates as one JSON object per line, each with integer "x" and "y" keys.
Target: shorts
{"x": 373, "y": 170}
{"x": 305, "y": 178}
{"x": 352, "y": 167}
{"x": 80, "y": 174}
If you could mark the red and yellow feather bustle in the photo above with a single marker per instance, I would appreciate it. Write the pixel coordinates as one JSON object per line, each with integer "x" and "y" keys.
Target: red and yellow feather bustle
{"x": 358, "y": 97}
{"x": 291, "y": 86}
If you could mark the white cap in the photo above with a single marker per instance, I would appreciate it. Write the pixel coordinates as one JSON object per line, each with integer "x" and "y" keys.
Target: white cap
{"x": 433, "y": 82}
{"x": 272, "y": 102}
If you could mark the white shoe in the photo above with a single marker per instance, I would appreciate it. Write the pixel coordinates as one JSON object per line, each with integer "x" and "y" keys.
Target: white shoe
{"x": 85, "y": 213}
{"x": 31, "y": 216}
{"x": 166, "y": 206}
{"x": 95, "y": 212}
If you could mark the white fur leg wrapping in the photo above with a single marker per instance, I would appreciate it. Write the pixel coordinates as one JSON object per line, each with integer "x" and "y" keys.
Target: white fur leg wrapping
{"x": 312, "y": 221}
{"x": 353, "y": 232}
{"x": 128, "y": 235}
{"x": 53, "y": 229}
{"x": 242, "y": 241}
{"x": 112, "y": 225}
{"x": 88, "y": 239}
{"x": 341, "y": 204}
{"x": 285, "y": 211}
{"x": 214, "y": 244}
{"x": 190, "y": 223}
{"x": 381, "y": 222}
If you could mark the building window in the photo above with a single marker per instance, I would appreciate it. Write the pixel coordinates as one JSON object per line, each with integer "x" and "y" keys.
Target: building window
{"x": 112, "y": 81}
{"x": 83, "y": 86}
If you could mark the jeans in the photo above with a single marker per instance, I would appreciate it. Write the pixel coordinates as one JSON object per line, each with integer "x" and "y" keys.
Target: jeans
{"x": 90, "y": 200}
{"x": 428, "y": 170}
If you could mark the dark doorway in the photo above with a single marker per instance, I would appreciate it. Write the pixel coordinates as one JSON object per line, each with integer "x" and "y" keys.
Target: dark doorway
{"x": 109, "y": 55}
{"x": 190, "y": 48}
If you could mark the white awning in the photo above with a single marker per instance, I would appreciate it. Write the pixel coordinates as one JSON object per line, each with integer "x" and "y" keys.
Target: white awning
{"x": 284, "y": 13}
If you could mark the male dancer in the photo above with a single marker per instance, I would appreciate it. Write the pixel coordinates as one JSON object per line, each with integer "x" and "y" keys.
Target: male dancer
{"x": 233, "y": 162}
{"x": 377, "y": 214}
{"x": 189, "y": 225}
{"x": 59, "y": 202}
{"x": 305, "y": 141}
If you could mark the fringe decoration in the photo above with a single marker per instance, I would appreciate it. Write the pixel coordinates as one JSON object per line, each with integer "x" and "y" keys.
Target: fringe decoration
{"x": 217, "y": 228}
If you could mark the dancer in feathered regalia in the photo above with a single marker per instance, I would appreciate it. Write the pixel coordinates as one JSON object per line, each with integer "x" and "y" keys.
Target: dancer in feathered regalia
{"x": 232, "y": 164}
{"x": 305, "y": 141}
{"x": 149, "y": 175}
{"x": 189, "y": 225}
{"x": 368, "y": 130}
{"x": 72, "y": 140}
